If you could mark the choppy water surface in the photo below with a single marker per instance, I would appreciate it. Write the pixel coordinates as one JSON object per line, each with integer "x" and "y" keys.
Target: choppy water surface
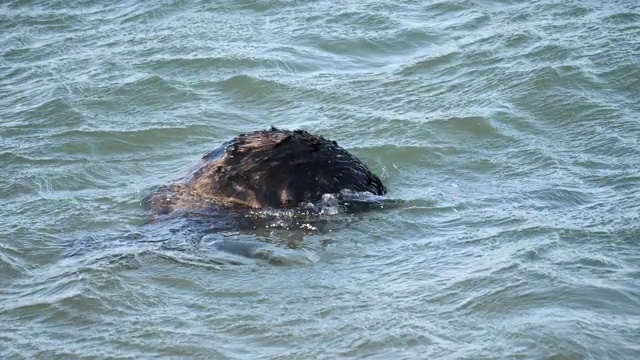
{"x": 509, "y": 131}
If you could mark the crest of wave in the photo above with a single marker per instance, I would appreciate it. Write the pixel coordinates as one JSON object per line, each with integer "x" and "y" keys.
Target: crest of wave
{"x": 316, "y": 215}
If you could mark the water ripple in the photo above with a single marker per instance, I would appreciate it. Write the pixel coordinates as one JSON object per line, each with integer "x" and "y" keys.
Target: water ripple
{"x": 506, "y": 131}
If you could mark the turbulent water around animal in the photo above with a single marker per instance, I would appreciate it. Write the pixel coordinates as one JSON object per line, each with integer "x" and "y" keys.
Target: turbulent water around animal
{"x": 507, "y": 133}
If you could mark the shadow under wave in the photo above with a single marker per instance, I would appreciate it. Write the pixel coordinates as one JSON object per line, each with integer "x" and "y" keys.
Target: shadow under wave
{"x": 215, "y": 238}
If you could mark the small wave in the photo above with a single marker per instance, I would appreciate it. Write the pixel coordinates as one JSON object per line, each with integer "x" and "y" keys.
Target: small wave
{"x": 623, "y": 18}
{"x": 11, "y": 265}
{"x": 114, "y": 144}
{"x": 447, "y": 7}
{"x": 31, "y": 300}
{"x": 263, "y": 91}
{"x": 153, "y": 90}
{"x": 179, "y": 241}
{"x": 268, "y": 253}
{"x": 140, "y": 135}
{"x": 42, "y": 287}
{"x": 250, "y": 85}
{"x": 53, "y": 113}
{"x": 561, "y": 195}
{"x": 203, "y": 63}
{"x": 426, "y": 63}
{"x": 142, "y": 14}
{"x": 285, "y": 60}
{"x": 7, "y": 157}
{"x": 369, "y": 53}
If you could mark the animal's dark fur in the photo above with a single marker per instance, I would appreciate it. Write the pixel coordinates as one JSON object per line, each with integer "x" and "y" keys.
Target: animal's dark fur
{"x": 274, "y": 169}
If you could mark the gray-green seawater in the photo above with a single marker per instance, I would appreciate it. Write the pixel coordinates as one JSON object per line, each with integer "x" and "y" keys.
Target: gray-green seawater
{"x": 509, "y": 130}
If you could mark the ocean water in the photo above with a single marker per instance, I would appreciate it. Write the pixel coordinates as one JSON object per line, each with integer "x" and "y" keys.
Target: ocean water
{"x": 507, "y": 132}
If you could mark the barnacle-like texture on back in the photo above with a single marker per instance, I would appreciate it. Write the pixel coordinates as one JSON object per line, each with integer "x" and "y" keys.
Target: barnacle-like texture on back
{"x": 281, "y": 168}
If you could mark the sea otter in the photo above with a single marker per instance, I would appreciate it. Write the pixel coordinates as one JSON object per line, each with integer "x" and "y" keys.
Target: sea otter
{"x": 268, "y": 169}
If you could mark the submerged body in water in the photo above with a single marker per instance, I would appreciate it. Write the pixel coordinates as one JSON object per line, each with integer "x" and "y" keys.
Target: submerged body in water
{"x": 271, "y": 175}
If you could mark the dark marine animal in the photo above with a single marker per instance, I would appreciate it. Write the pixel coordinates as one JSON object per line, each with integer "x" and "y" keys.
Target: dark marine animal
{"x": 268, "y": 169}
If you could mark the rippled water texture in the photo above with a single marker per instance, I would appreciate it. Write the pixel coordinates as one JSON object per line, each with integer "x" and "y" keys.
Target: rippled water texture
{"x": 507, "y": 130}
